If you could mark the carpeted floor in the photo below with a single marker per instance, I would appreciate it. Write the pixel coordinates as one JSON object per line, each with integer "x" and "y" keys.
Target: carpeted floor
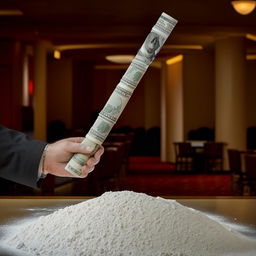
{"x": 149, "y": 164}
{"x": 149, "y": 175}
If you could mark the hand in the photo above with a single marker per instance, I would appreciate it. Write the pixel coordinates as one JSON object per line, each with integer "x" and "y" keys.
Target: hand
{"x": 59, "y": 153}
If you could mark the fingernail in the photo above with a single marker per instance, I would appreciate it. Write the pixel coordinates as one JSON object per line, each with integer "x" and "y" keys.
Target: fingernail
{"x": 90, "y": 170}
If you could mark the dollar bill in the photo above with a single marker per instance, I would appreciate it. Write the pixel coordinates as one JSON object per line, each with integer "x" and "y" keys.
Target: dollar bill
{"x": 78, "y": 160}
{"x": 134, "y": 73}
{"x": 116, "y": 103}
{"x": 123, "y": 91}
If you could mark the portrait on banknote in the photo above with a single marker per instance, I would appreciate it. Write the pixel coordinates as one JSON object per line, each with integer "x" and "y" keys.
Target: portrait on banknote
{"x": 151, "y": 46}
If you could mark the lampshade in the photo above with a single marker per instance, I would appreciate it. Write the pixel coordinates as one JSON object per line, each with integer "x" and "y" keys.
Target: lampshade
{"x": 244, "y": 7}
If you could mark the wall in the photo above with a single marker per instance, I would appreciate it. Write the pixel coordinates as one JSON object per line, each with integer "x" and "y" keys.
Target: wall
{"x": 82, "y": 94}
{"x": 11, "y": 83}
{"x": 199, "y": 94}
{"x": 152, "y": 97}
{"x": 251, "y": 93}
{"x": 105, "y": 81}
{"x": 143, "y": 109}
{"x": 59, "y": 91}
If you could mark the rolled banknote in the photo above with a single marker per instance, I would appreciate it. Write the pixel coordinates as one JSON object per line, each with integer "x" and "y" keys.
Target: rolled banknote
{"x": 123, "y": 91}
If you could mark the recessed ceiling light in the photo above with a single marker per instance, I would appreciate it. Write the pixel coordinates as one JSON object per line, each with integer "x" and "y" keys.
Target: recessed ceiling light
{"x": 120, "y": 59}
{"x": 174, "y": 60}
{"x": 10, "y": 12}
{"x": 251, "y": 37}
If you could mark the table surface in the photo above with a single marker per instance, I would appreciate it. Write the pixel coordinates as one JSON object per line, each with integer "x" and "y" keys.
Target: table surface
{"x": 238, "y": 213}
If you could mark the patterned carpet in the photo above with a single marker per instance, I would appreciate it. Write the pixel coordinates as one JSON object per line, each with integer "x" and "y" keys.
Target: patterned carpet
{"x": 150, "y": 176}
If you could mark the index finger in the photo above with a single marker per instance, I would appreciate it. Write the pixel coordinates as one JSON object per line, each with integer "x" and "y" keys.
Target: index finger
{"x": 75, "y": 139}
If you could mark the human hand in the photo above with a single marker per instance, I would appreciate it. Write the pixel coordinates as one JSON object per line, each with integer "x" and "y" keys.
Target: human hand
{"x": 59, "y": 153}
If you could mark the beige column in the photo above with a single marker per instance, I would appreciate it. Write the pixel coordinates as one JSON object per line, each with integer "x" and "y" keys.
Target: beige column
{"x": 172, "y": 116}
{"x": 40, "y": 99}
{"x": 163, "y": 146}
{"x": 230, "y": 96}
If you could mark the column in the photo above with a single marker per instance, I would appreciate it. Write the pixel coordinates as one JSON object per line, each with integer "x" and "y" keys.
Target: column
{"x": 230, "y": 92}
{"x": 163, "y": 130}
{"x": 172, "y": 113}
{"x": 40, "y": 93}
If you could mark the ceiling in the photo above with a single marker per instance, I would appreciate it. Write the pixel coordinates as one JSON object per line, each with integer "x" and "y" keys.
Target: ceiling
{"x": 121, "y": 26}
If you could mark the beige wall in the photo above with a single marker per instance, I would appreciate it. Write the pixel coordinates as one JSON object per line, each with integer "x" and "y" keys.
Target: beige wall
{"x": 59, "y": 91}
{"x": 199, "y": 97}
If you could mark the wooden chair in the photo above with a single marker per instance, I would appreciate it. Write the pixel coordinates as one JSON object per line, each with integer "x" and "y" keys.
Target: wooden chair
{"x": 108, "y": 173}
{"x": 117, "y": 138}
{"x": 250, "y": 172}
{"x": 54, "y": 186}
{"x": 234, "y": 160}
{"x": 213, "y": 156}
{"x": 235, "y": 166}
{"x": 184, "y": 156}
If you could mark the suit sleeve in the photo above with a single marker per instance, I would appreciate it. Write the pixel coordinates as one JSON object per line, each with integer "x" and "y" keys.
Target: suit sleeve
{"x": 19, "y": 157}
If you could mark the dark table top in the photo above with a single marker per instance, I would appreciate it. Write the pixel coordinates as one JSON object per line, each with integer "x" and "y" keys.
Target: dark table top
{"x": 239, "y": 213}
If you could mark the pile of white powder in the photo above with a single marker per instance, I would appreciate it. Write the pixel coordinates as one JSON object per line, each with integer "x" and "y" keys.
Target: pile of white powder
{"x": 129, "y": 224}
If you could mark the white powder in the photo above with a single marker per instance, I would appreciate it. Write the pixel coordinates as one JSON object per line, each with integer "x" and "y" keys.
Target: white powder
{"x": 129, "y": 224}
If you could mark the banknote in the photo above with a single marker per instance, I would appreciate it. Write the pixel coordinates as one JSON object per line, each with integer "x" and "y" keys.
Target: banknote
{"x": 134, "y": 73}
{"x": 124, "y": 90}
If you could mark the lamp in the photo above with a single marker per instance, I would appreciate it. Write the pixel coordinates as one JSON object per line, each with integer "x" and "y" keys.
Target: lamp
{"x": 244, "y": 7}
{"x": 56, "y": 54}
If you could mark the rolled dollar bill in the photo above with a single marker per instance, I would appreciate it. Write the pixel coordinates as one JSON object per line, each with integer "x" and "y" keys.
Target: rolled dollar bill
{"x": 123, "y": 91}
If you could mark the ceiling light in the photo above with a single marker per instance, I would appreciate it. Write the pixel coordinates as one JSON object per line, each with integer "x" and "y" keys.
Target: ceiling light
{"x": 66, "y": 47}
{"x": 174, "y": 60}
{"x": 184, "y": 46}
{"x": 251, "y": 37}
{"x": 251, "y": 56}
{"x": 57, "y": 54}
{"x": 120, "y": 59}
{"x": 244, "y": 7}
{"x": 11, "y": 12}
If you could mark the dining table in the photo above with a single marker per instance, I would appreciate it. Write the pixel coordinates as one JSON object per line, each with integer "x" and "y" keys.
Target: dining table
{"x": 236, "y": 212}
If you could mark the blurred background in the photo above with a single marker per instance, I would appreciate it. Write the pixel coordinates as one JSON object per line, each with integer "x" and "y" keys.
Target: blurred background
{"x": 189, "y": 128}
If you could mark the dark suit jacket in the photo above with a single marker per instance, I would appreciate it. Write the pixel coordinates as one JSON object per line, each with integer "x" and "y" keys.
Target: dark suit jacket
{"x": 19, "y": 157}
